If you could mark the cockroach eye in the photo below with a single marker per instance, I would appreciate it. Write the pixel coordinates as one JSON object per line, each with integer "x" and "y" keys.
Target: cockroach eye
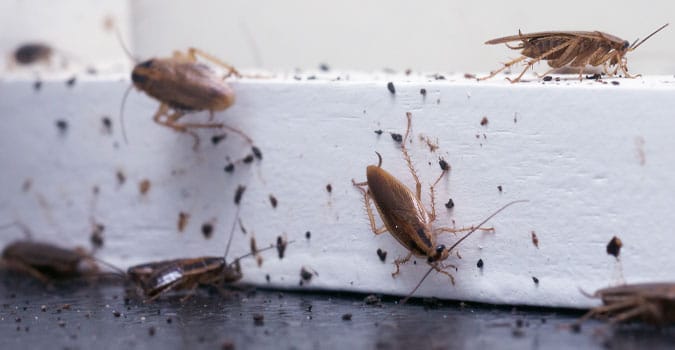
{"x": 626, "y": 44}
{"x": 146, "y": 64}
{"x": 440, "y": 248}
{"x": 138, "y": 78}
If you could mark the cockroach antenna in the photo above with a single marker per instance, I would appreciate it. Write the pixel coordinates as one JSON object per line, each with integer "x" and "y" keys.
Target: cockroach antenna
{"x": 633, "y": 46}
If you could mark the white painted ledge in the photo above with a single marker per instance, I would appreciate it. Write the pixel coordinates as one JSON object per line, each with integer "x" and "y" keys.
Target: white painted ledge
{"x": 595, "y": 160}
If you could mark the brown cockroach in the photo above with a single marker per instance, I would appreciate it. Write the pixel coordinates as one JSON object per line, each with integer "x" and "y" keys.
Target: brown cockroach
{"x": 405, "y": 216}
{"x": 575, "y": 49}
{"x": 183, "y": 85}
{"x": 157, "y": 278}
{"x": 47, "y": 262}
{"x": 650, "y": 302}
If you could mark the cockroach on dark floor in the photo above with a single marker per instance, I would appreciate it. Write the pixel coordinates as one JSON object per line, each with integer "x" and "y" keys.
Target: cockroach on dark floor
{"x": 184, "y": 85}
{"x": 650, "y": 302}
{"x": 47, "y": 262}
{"x": 157, "y": 278}
{"x": 405, "y": 216}
{"x": 575, "y": 49}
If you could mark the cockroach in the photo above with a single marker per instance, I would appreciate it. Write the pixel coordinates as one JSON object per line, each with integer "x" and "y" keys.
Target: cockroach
{"x": 575, "y": 49}
{"x": 183, "y": 85}
{"x": 47, "y": 262}
{"x": 405, "y": 216}
{"x": 157, "y": 278}
{"x": 650, "y": 302}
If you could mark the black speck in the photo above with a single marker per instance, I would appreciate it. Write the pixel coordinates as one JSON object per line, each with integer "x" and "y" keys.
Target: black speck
{"x": 305, "y": 274}
{"x": 450, "y": 204}
{"x": 391, "y": 88}
{"x": 273, "y": 201}
{"x": 484, "y": 121}
{"x": 519, "y": 323}
{"x": 121, "y": 178}
{"x": 329, "y": 188}
{"x": 548, "y": 78}
{"x": 256, "y": 152}
{"x": 37, "y": 85}
{"x": 614, "y": 82}
{"x": 480, "y": 264}
{"x": 423, "y": 92}
{"x": 397, "y": 137}
{"x": 151, "y": 331}
{"x": 347, "y": 317}
{"x": 382, "y": 254}
{"x": 96, "y": 237}
{"x": 248, "y": 159}
{"x": 614, "y": 246}
{"x": 324, "y": 67}
{"x": 169, "y": 320}
{"x": 535, "y": 280}
{"x": 379, "y": 131}
{"x": 575, "y": 327}
{"x": 239, "y": 194}
{"x": 116, "y": 313}
{"x": 439, "y": 77}
{"x": 215, "y": 139}
{"x": 207, "y": 230}
{"x": 281, "y": 246}
{"x": 499, "y": 188}
{"x": 258, "y": 319}
{"x": 308, "y": 235}
{"x": 62, "y": 125}
{"x": 311, "y": 77}
{"x": 107, "y": 124}
{"x": 71, "y": 82}
{"x": 267, "y": 278}
{"x": 595, "y": 76}
{"x": 229, "y": 168}
{"x": 444, "y": 165}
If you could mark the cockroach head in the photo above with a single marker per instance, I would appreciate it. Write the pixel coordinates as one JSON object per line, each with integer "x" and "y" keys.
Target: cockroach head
{"x": 441, "y": 254}
{"x": 143, "y": 72}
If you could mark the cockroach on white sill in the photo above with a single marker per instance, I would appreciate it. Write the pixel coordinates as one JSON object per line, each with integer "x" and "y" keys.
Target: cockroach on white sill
{"x": 184, "y": 85}
{"x": 405, "y": 216}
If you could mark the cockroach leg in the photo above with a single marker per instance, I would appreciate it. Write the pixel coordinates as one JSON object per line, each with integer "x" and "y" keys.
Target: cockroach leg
{"x": 539, "y": 58}
{"x": 406, "y": 156}
{"x": 25, "y": 268}
{"x": 369, "y": 210}
{"x": 398, "y": 262}
{"x": 193, "y": 52}
{"x": 506, "y": 65}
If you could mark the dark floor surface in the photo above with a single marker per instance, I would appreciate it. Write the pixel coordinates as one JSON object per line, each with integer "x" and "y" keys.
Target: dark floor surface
{"x": 95, "y": 316}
